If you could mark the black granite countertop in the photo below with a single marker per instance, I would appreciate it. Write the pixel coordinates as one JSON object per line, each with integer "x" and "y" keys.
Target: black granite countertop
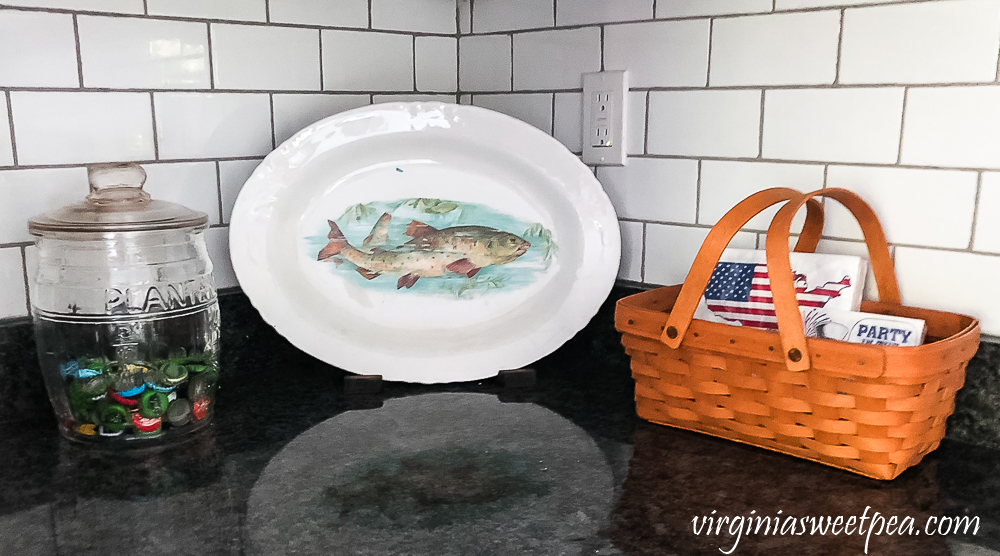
{"x": 292, "y": 465}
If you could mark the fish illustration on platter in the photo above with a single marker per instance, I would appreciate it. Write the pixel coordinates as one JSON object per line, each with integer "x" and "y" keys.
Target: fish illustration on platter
{"x": 430, "y": 252}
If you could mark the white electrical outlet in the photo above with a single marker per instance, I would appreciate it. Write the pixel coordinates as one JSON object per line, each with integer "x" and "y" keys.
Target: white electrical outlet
{"x": 604, "y": 117}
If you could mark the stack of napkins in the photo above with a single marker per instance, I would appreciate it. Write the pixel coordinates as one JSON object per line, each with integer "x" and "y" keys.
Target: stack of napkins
{"x": 828, "y": 288}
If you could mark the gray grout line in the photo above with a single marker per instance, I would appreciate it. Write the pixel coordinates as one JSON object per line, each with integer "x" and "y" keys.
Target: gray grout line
{"x": 27, "y": 282}
{"x": 472, "y": 16}
{"x": 369, "y": 14}
{"x": 274, "y": 139}
{"x": 902, "y": 125}
{"x": 413, "y": 54}
{"x": 774, "y": 5}
{"x": 650, "y": 155}
{"x": 840, "y": 48}
{"x": 489, "y": 92}
{"x": 267, "y": 11}
{"x": 760, "y": 131}
{"x": 147, "y": 161}
{"x": 654, "y": 9}
{"x": 181, "y": 18}
{"x": 152, "y": 117}
{"x": 602, "y": 48}
{"x": 642, "y": 264}
{"x": 511, "y": 37}
{"x": 218, "y": 189}
{"x": 145, "y": 7}
{"x": 79, "y": 50}
{"x": 13, "y": 244}
{"x": 211, "y": 61}
{"x": 10, "y": 121}
{"x": 813, "y": 162}
{"x": 322, "y": 84}
{"x": 697, "y": 196}
{"x": 552, "y": 128}
{"x": 826, "y": 170}
{"x": 997, "y": 80}
{"x": 645, "y": 132}
{"x": 975, "y": 210}
{"x": 555, "y": 13}
{"x": 708, "y": 65}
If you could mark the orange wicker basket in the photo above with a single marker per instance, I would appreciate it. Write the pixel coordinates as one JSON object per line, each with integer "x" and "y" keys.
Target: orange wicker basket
{"x": 872, "y": 410}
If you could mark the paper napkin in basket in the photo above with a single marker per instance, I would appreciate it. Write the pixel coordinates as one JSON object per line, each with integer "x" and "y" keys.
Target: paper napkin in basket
{"x": 739, "y": 292}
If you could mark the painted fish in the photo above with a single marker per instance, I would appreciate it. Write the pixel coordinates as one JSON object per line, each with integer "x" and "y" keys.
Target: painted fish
{"x": 430, "y": 252}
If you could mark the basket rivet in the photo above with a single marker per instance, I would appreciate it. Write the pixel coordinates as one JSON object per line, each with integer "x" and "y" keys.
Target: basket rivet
{"x": 671, "y": 332}
{"x": 732, "y": 341}
{"x": 630, "y": 321}
{"x": 795, "y": 355}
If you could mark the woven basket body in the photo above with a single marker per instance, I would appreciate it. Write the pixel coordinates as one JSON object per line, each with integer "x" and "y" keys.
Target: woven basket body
{"x": 873, "y": 410}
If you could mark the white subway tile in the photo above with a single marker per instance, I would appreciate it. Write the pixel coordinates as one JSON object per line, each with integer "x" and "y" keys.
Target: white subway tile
{"x": 836, "y": 125}
{"x": 217, "y": 241}
{"x": 437, "y": 58}
{"x": 797, "y": 4}
{"x": 856, "y": 248}
{"x": 704, "y": 123}
{"x": 366, "y": 61}
{"x": 951, "y": 281}
{"x": 952, "y": 126}
{"x": 725, "y": 183}
{"x": 465, "y": 99}
{"x": 37, "y": 50}
{"x": 556, "y": 59}
{"x": 204, "y": 125}
{"x": 243, "y": 10}
{"x": 660, "y": 53}
{"x": 192, "y": 184}
{"x": 635, "y": 123}
{"x": 82, "y": 127}
{"x": 413, "y": 97}
{"x": 293, "y": 112}
{"x": 776, "y": 49}
{"x": 511, "y": 15}
{"x": 577, "y": 12}
{"x": 13, "y": 296}
{"x": 115, "y": 6}
{"x": 342, "y": 13}
{"x": 484, "y": 63}
{"x": 630, "y": 267}
{"x": 425, "y": 16}
{"x": 670, "y": 250}
{"x": 6, "y": 149}
{"x": 270, "y": 58}
{"x": 987, "y": 236}
{"x": 653, "y": 189}
{"x": 687, "y": 8}
{"x": 906, "y": 201}
{"x": 464, "y": 17}
{"x": 121, "y": 52}
{"x": 232, "y": 175}
{"x": 891, "y": 44}
{"x": 568, "y": 122}
{"x": 534, "y": 108}
{"x": 28, "y": 193}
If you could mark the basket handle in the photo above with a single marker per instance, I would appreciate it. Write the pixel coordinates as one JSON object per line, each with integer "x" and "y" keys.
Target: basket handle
{"x": 786, "y": 308}
{"x": 716, "y": 242}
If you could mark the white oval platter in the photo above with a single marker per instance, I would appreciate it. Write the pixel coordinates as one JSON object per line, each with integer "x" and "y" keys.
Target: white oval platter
{"x": 424, "y": 242}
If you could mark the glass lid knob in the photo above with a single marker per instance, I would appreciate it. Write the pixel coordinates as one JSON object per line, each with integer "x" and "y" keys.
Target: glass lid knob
{"x": 116, "y": 184}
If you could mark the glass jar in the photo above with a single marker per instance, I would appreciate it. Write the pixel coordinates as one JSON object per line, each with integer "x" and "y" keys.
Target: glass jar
{"x": 125, "y": 313}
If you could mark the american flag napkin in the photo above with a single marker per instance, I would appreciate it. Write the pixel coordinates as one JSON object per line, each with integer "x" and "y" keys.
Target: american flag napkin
{"x": 739, "y": 292}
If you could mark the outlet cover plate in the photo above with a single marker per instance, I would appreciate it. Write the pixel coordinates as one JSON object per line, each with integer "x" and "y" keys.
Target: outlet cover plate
{"x": 604, "y": 112}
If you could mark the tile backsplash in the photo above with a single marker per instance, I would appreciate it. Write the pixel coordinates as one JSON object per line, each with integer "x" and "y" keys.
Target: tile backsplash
{"x": 727, "y": 97}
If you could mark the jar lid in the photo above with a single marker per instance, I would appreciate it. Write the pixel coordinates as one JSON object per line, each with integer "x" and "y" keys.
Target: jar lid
{"x": 117, "y": 203}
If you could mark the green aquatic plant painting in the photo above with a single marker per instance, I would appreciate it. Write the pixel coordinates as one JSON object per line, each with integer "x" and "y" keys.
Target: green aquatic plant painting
{"x": 425, "y": 246}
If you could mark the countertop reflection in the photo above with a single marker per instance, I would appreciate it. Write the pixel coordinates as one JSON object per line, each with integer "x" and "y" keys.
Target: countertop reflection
{"x": 291, "y": 465}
